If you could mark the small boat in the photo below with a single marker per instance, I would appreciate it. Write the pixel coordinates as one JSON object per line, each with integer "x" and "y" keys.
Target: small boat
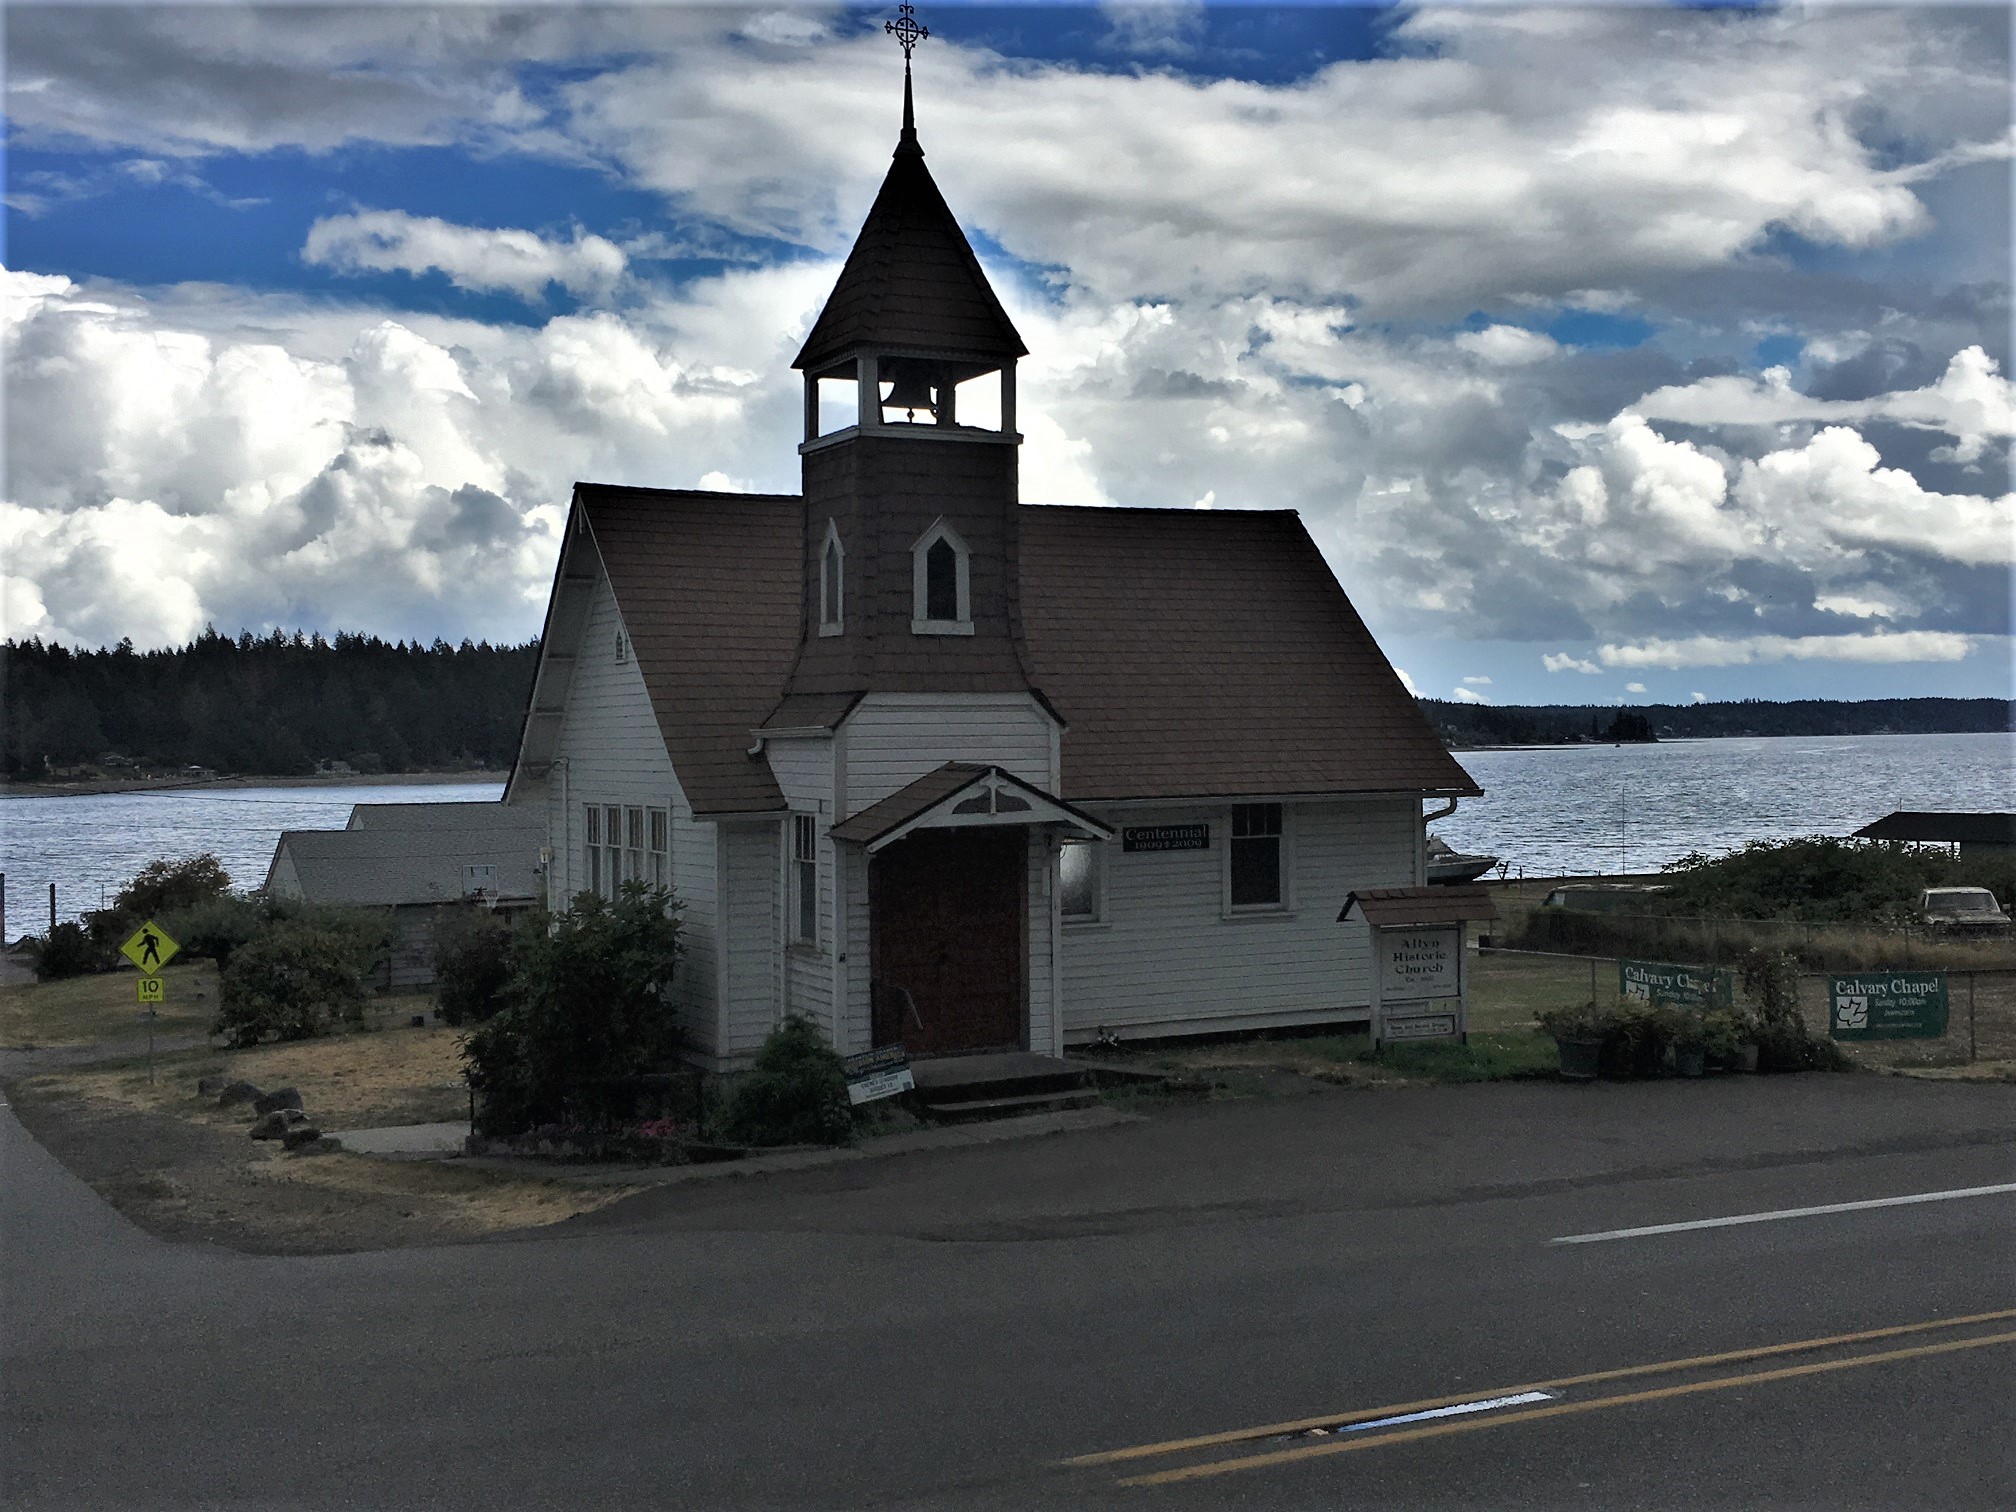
{"x": 1447, "y": 864}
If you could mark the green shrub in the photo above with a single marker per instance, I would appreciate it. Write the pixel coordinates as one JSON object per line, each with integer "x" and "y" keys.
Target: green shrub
{"x": 1772, "y": 1018}
{"x": 291, "y": 982}
{"x": 164, "y": 886}
{"x": 1821, "y": 879}
{"x": 588, "y": 1006}
{"x": 796, "y": 1093}
{"x": 215, "y": 927}
{"x": 69, "y": 949}
{"x": 472, "y": 964}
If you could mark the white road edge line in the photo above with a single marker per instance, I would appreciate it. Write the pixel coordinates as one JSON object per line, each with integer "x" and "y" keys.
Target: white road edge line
{"x": 1805, "y": 1212}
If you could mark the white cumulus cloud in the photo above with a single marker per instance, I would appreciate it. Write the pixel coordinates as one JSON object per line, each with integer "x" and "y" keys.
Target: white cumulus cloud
{"x": 1715, "y": 651}
{"x": 507, "y": 260}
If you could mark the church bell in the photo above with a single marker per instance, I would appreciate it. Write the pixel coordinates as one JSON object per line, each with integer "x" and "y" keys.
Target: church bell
{"x": 911, "y": 387}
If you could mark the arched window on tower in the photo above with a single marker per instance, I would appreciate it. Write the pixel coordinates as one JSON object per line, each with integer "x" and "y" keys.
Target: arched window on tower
{"x": 832, "y": 583}
{"x": 941, "y": 583}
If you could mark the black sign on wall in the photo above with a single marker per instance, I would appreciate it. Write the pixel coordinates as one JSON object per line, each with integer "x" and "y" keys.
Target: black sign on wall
{"x": 1165, "y": 837}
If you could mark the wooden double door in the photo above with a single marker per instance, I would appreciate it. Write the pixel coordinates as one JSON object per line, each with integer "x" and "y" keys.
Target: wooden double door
{"x": 948, "y": 932}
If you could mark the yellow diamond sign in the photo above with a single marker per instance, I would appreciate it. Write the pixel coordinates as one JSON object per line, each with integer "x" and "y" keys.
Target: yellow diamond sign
{"x": 150, "y": 948}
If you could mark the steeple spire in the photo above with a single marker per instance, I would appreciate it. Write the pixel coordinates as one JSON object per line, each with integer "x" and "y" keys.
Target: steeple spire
{"x": 906, "y": 31}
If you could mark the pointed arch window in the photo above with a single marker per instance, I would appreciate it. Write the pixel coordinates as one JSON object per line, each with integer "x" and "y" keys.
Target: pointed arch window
{"x": 832, "y": 583}
{"x": 941, "y": 582}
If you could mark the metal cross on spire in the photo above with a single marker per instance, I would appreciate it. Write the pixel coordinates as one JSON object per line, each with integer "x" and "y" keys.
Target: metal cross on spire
{"x": 906, "y": 31}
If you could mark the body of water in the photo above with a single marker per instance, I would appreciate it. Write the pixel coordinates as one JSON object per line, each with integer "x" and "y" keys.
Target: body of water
{"x": 1585, "y": 809}
{"x": 1546, "y": 812}
{"x": 88, "y": 844}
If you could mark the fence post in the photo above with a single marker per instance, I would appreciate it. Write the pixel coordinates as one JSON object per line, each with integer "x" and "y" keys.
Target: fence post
{"x": 1592, "y": 981}
{"x": 1970, "y": 1016}
{"x": 52, "y": 907}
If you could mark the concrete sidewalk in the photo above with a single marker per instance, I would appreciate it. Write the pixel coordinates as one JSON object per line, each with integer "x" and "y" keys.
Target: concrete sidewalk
{"x": 441, "y": 1141}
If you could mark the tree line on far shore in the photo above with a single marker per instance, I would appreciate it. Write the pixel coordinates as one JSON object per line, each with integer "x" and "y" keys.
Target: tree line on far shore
{"x": 1465, "y": 724}
{"x": 276, "y": 705}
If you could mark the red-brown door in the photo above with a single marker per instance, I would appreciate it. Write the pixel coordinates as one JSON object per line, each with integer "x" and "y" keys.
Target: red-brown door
{"x": 946, "y": 920}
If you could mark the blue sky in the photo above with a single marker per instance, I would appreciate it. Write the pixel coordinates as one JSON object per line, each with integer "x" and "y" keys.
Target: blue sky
{"x": 1611, "y": 354}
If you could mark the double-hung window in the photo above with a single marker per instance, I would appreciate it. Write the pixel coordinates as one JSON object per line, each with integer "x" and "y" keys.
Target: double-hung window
{"x": 1256, "y": 869}
{"x": 633, "y": 846}
{"x": 804, "y": 879}
{"x": 661, "y": 847}
{"x": 591, "y": 849}
{"x": 612, "y": 851}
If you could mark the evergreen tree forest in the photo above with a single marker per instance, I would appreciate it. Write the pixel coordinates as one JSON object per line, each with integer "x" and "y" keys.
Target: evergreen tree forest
{"x": 1464, "y": 724}
{"x": 276, "y": 705}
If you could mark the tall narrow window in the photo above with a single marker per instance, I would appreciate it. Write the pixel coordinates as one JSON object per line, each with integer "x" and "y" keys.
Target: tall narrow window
{"x": 805, "y": 879}
{"x": 1256, "y": 856}
{"x": 661, "y": 848}
{"x": 592, "y": 848}
{"x": 941, "y": 584}
{"x": 1078, "y": 880}
{"x": 832, "y": 583}
{"x": 612, "y": 851}
{"x": 633, "y": 846}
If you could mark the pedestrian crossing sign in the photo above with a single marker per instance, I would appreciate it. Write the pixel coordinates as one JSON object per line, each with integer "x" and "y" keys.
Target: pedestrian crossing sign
{"x": 150, "y": 948}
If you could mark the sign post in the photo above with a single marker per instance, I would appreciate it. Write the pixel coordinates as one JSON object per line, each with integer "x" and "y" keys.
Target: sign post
{"x": 1880, "y": 1005}
{"x": 150, "y": 949}
{"x": 1419, "y": 979}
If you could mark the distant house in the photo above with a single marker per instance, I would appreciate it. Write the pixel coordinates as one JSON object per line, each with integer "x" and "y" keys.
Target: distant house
{"x": 932, "y": 766}
{"x": 415, "y": 859}
{"x": 1974, "y": 834}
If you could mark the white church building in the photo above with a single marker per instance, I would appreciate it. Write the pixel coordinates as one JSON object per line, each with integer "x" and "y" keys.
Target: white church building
{"x": 932, "y": 766}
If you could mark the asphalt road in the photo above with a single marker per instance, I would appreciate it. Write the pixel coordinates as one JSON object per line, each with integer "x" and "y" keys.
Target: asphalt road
{"x": 947, "y": 1330}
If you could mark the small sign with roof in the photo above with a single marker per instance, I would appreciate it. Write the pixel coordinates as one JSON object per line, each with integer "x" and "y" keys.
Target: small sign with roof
{"x": 150, "y": 949}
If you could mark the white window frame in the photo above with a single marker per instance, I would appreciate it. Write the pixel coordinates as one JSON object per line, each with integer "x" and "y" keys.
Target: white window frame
{"x": 634, "y": 836}
{"x": 1096, "y": 849}
{"x": 920, "y": 601}
{"x": 1286, "y": 862}
{"x": 804, "y": 863}
{"x": 591, "y": 849}
{"x": 833, "y": 596}
{"x": 658, "y": 845}
{"x": 612, "y": 851}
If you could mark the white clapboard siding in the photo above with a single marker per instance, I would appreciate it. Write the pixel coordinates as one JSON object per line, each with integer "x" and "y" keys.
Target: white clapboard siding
{"x": 1042, "y": 1018}
{"x": 804, "y": 773}
{"x": 1166, "y": 960}
{"x": 892, "y": 739}
{"x": 614, "y": 753}
{"x": 857, "y": 1024}
{"x": 750, "y": 923}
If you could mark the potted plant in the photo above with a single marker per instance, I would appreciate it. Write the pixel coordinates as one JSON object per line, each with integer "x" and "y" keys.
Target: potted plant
{"x": 1579, "y": 1033}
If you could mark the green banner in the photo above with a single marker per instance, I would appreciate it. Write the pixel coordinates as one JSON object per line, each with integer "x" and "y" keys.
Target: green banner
{"x": 1881, "y": 1005}
{"x": 1662, "y": 984}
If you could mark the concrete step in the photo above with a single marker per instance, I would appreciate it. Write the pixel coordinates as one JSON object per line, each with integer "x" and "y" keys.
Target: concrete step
{"x": 974, "y": 1109}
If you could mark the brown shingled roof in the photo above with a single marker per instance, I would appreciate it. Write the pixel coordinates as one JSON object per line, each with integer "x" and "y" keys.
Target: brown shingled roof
{"x": 708, "y": 584}
{"x": 1421, "y": 905}
{"x": 1212, "y": 652}
{"x": 911, "y": 281}
{"x": 1191, "y": 653}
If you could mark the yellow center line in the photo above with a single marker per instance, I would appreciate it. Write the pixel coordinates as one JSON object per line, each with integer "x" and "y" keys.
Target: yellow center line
{"x": 1563, "y": 1409}
{"x": 1625, "y": 1372}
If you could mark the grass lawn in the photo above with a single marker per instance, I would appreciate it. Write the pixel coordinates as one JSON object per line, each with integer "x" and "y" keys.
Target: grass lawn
{"x": 1346, "y": 1059}
{"x": 87, "y": 1010}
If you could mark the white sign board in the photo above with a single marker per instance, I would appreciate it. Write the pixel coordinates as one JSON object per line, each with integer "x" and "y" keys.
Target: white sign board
{"x": 1422, "y": 961}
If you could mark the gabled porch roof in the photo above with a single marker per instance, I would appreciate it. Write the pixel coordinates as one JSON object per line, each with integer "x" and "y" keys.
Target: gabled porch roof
{"x": 960, "y": 794}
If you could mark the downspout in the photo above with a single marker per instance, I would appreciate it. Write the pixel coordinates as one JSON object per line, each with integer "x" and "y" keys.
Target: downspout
{"x": 1421, "y": 840}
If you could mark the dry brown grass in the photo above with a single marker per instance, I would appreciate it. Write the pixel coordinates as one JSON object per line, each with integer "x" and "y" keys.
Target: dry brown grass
{"x": 347, "y": 1081}
{"x": 453, "y": 1199}
{"x": 89, "y": 1010}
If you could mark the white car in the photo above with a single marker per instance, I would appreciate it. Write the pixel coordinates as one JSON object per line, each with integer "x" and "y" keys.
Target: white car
{"x": 1962, "y": 909}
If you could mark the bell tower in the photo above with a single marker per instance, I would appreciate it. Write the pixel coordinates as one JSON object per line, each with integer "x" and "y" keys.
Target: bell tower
{"x": 909, "y": 454}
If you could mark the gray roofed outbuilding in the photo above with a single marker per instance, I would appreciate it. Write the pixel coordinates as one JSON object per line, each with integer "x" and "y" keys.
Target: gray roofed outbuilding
{"x": 1942, "y": 828}
{"x": 413, "y": 859}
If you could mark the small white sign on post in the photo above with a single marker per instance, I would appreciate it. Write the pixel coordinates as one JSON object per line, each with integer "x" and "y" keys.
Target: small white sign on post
{"x": 1417, "y": 991}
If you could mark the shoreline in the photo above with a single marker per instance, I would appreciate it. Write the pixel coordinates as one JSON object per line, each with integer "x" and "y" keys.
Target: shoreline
{"x": 96, "y": 786}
